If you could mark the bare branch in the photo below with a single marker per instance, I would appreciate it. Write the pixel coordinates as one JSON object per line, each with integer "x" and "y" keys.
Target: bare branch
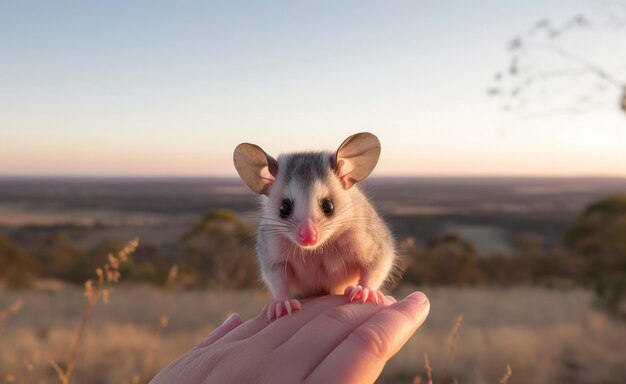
{"x": 591, "y": 67}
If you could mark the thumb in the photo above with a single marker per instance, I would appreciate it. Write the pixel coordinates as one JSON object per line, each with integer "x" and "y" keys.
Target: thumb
{"x": 362, "y": 355}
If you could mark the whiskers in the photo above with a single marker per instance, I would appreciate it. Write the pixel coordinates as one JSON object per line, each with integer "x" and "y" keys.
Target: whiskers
{"x": 346, "y": 216}
{"x": 272, "y": 226}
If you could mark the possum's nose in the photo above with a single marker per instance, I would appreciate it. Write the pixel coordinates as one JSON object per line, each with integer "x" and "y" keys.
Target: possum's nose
{"x": 308, "y": 233}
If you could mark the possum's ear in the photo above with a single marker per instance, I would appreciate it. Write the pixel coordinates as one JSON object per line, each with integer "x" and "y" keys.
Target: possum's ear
{"x": 255, "y": 167}
{"x": 356, "y": 158}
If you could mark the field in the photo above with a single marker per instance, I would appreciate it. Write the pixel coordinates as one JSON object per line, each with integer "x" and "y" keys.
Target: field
{"x": 546, "y": 336}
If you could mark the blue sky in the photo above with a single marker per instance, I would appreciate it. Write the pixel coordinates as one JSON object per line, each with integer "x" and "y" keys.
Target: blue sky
{"x": 170, "y": 88}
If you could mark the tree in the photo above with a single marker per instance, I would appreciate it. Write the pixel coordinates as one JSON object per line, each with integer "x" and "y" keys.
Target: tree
{"x": 599, "y": 236}
{"x": 17, "y": 268}
{"x": 551, "y": 71}
{"x": 62, "y": 259}
{"x": 220, "y": 248}
{"x": 448, "y": 260}
{"x": 546, "y": 265}
{"x": 147, "y": 264}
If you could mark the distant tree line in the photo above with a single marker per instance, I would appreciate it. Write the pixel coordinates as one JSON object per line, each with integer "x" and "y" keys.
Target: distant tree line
{"x": 218, "y": 252}
{"x": 452, "y": 260}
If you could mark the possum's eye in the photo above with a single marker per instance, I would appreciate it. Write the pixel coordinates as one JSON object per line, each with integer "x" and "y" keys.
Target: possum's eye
{"x": 285, "y": 209}
{"x": 328, "y": 207}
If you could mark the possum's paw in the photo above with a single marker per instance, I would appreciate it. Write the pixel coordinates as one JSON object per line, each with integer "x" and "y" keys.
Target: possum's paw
{"x": 364, "y": 294}
{"x": 281, "y": 307}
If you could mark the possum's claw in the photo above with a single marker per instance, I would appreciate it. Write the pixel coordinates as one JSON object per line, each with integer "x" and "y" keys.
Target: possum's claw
{"x": 364, "y": 294}
{"x": 279, "y": 308}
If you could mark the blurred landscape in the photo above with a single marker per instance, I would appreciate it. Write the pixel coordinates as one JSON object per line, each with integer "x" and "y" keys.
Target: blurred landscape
{"x": 492, "y": 212}
{"x": 501, "y": 251}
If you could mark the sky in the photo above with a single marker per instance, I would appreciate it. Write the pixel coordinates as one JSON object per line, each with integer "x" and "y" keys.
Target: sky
{"x": 165, "y": 88}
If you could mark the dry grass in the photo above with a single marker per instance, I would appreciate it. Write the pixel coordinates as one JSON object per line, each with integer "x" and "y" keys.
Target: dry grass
{"x": 151, "y": 367}
{"x": 428, "y": 368}
{"x": 99, "y": 289}
{"x": 545, "y": 336}
{"x": 507, "y": 375}
{"x": 451, "y": 347}
{"x": 11, "y": 310}
{"x": 121, "y": 341}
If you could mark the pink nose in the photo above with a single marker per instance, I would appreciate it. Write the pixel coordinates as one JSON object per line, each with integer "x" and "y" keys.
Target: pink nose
{"x": 308, "y": 233}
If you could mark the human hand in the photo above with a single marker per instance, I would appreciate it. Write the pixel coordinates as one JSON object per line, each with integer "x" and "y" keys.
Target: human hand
{"x": 329, "y": 341}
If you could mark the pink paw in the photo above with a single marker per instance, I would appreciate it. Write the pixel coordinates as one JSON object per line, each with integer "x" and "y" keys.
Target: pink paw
{"x": 280, "y": 307}
{"x": 364, "y": 294}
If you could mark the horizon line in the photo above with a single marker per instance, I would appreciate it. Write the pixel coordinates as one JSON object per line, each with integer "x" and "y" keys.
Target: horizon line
{"x": 393, "y": 176}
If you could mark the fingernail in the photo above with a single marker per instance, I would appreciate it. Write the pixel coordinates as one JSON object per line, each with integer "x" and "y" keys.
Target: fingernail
{"x": 230, "y": 322}
{"x": 231, "y": 319}
{"x": 417, "y": 297}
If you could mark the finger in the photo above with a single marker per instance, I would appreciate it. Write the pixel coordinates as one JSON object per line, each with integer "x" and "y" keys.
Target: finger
{"x": 176, "y": 367}
{"x": 282, "y": 328}
{"x": 320, "y": 336}
{"x": 246, "y": 330}
{"x": 362, "y": 355}
{"x": 232, "y": 322}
